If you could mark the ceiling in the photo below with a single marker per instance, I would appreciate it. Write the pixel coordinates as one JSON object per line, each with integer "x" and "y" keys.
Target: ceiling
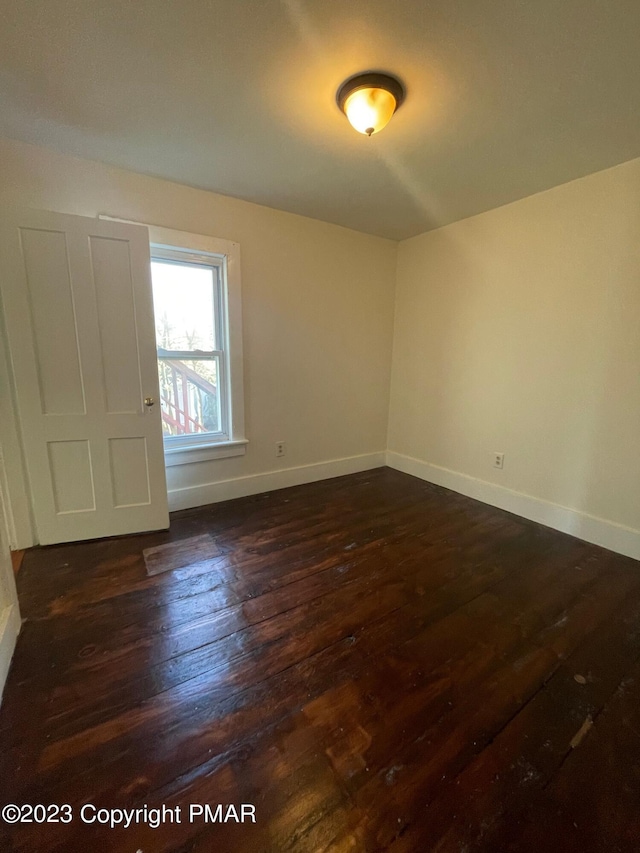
{"x": 504, "y": 97}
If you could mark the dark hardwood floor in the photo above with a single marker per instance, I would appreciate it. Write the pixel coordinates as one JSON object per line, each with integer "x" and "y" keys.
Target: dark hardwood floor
{"x": 373, "y": 662}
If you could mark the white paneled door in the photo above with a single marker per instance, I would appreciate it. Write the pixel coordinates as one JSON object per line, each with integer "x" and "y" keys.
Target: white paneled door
{"x": 79, "y": 319}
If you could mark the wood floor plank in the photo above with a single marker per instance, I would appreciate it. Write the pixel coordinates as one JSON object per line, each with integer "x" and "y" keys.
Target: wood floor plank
{"x": 374, "y": 662}
{"x": 473, "y": 808}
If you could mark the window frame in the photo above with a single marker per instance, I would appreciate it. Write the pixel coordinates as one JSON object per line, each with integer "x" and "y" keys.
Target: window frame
{"x": 186, "y": 449}
{"x": 218, "y": 264}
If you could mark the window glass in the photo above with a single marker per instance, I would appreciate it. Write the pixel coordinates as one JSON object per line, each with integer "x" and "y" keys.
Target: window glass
{"x": 185, "y": 306}
{"x": 189, "y": 392}
{"x": 185, "y": 298}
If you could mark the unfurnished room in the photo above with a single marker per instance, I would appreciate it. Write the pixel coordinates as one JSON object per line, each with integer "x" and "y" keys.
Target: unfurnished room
{"x": 319, "y": 426}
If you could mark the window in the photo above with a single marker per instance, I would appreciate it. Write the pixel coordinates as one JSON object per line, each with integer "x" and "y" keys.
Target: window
{"x": 197, "y": 307}
{"x": 191, "y": 345}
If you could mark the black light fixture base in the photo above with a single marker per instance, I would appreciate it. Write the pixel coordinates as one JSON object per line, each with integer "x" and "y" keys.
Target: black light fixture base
{"x": 371, "y": 79}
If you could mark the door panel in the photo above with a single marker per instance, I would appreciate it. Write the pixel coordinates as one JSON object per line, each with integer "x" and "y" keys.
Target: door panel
{"x": 71, "y": 476}
{"x": 111, "y": 268}
{"x": 128, "y": 462}
{"x": 50, "y": 299}
{"x": 79, "y": 318}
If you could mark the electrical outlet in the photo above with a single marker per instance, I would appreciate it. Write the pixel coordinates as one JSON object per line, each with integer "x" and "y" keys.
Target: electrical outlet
{"x": 279, "y": 448}
{"x": 498, "y": 460}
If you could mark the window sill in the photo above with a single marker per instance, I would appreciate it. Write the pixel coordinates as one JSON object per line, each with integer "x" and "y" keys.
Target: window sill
{"x": 186, "y": 454}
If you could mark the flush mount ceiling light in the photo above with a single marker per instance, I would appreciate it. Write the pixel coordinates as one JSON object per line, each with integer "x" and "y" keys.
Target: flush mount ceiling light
{"x": 369, "y": 100}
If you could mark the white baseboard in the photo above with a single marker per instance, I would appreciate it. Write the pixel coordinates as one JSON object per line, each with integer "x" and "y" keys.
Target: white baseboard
{"x": 255, "y": 484}
{"x": 599, "y": 531}
{"x": 9, "y": 630}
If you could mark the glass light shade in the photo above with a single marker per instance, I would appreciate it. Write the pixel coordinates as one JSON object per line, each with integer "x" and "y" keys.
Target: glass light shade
{"x": 369, "y": 110}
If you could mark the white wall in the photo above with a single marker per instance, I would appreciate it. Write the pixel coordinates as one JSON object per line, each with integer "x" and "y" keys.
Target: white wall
{"x": 518, "y": 331}
{"x": 317, "y": 314}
